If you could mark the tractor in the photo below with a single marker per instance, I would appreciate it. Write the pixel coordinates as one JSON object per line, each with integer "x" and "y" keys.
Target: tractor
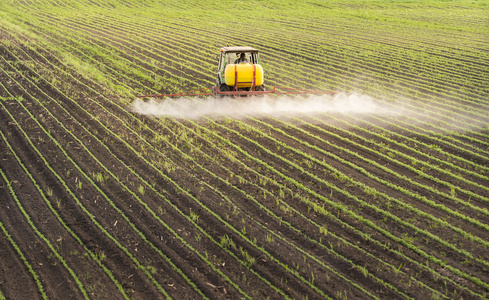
{"x": 239, "y": 70}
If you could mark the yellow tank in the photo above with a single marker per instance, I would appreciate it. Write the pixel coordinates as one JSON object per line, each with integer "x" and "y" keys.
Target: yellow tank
{"x": 245, "y": 75}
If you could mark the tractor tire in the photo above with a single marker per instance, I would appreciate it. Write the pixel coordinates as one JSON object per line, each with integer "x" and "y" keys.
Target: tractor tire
{"x": 260, "y": 88}
{"x": 223, "y": 88}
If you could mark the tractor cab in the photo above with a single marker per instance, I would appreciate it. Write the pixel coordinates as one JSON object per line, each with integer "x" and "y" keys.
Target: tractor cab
{"x": 239, "y": 69}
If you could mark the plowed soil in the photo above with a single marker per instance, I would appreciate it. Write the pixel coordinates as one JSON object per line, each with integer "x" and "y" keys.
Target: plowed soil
{"x": 101, "y": 202}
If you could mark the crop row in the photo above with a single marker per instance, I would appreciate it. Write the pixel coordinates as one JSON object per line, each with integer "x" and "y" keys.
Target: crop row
{"x": 131, "y": 38}
{"x": 53, "y": 99}
{"x": 242, "y": 200}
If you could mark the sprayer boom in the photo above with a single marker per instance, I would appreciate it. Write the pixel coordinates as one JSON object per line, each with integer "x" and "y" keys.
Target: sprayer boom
{"x": 239, "y": 93}
{"x": 239, "y": 74}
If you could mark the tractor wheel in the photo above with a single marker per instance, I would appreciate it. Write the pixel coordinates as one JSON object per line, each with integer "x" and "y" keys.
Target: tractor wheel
{"x": 224, "y": 88}
{"x": 260, "y": 88}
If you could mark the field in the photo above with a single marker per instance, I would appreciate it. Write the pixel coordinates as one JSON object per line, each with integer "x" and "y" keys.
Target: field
{"x": 380, "y": 192}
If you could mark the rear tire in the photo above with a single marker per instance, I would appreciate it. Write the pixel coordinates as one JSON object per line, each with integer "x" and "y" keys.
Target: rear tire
{"x": 260, "y": 88}
{"x": 223, "y": 88}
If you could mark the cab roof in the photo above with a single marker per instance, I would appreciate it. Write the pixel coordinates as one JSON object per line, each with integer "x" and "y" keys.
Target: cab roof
{"x": 238, "y": 49}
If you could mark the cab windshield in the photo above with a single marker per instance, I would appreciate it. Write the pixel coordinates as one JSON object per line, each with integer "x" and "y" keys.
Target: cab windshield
{"x": 232, "y": 58}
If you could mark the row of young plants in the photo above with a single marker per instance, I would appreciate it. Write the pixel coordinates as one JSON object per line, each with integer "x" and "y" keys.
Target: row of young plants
{"x": 343, "y": 209}
{"x": 379, "y": 60}
{"x": 146, "y": 184}
{"x": 427, "y": 175}
{"x": 302, "y": 53}
{"x": 51, "y": 246}
{"x": 79, "y": 185}
{"x": 209, "y": 158}
{"x": 441, "y": 138}
{"x": 208, "y": 185}
{"x": 394, "y": 200}
{"x": 426, "y": 154}
{"x": 351, "y": 144}
{"x": 315, "y": 207}
{"x": 6, "y": 184}
{"x": 431, "y": 153}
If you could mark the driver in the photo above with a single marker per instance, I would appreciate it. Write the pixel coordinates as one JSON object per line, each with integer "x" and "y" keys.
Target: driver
{"x": 242, "y": 59}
